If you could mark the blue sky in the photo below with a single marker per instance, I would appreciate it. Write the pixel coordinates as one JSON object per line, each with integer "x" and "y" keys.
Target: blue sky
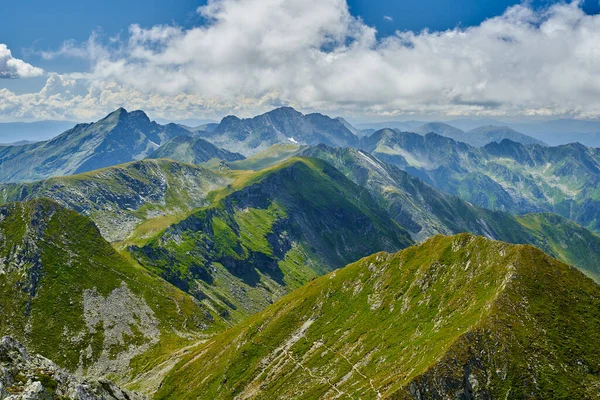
{"x": 31, "y": 27}
{"x": 39, "y": 25}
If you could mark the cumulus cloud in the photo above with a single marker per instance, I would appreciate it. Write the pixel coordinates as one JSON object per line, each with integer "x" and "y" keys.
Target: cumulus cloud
{"x": 251, "y": 55}
{"x": 13, "y": 68}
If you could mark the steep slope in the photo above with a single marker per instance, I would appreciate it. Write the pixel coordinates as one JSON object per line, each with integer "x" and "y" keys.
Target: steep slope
{"x": 68, "y": 295}
{"x": 32, "y": 377}
{"x": 425, "y": 211}
{"x": 193, "y": 150}
{"x": 119, "y": 199}
{"x": 456, "y": 317}
{"x": 283, "y": 125}
{"x": 505, "y": 176}
{"x": 268, "y": 233}
{"x": 118, "y": 138}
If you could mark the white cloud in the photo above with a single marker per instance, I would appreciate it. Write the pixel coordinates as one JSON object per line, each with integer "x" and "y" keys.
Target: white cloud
{"x": 388, "y": 18}
{"x": 312, "y": 54}
{"x": 13, "y": 68}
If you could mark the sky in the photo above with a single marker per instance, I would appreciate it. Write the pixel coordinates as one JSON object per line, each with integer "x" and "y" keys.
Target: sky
{"x": 371, "y": 59}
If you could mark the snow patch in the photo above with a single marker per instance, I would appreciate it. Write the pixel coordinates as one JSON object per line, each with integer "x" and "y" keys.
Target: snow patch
{"x": 291, "y": 139}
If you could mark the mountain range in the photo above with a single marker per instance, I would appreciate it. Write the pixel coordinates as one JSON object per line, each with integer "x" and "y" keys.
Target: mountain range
{"x": 552, "y": 132}
{"x": 282, "y": 125}
{"x": 270, "y": 232}
{"x": 505, "y": 176}
{"x": 118, "y": 138}
{"x": 295, "y": 256}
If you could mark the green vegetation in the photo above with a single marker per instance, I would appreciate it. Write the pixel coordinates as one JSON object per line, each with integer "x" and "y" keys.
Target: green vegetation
{"x": 120, "y": 199}
{"x": 425, "y": 211}
{"x": 68, "y": 295}
{"x": 270, "y": 232}
{"x": 193, "y": 150}
{"x": 452, "y": 318}
{"x": 269, "y": 157}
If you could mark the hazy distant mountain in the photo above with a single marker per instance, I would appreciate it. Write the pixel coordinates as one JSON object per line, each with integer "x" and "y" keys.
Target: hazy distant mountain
{"x": 118, "y": 138}
{"x": 489, "y": 133}
{"x": 282, "y": 125}
{"x": 407, "y": 126}
{"x": 11, "y": 132}
{"x": 441, "y": 129}
{"x": 479, "y": 136}
{"x": 506, "y": 176}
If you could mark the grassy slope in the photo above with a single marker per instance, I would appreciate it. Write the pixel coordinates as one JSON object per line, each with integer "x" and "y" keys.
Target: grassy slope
{"x": 270, "y": 232}
{"x": 269, "y": 157}
{"x": 193, "y": 150}
{"x": 410, "y": 324}
{"x": 425, "y": 211}
{"x": 120, "y": 198}
{"x": 53, "y": 258}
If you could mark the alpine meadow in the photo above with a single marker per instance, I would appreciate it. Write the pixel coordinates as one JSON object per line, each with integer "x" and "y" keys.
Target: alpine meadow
{"x": 300, "y": 199}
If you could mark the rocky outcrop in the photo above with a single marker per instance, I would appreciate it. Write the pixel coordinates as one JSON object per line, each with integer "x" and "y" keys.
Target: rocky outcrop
{"x": 24, "y": 376}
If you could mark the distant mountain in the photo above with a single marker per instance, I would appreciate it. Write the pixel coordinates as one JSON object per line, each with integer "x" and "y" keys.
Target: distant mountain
{"x": 66, "y": 294}
{"x": 268, "y": 233}
{"x": 119, "y": 199}
{"x": 11, "y": 132}
{"x": 118, "y": 138}
{"x": 407, "y": 126}
{"x": 505, "y": 176}
{"x": 441, "y": 129}
{"x": 489, "y": 133}
{"x": 193, "y": 150}
{"x": 425, "y": 211}
{"x": 457, "y": 317}
{"x": 479, "y": 136}
{"x": 282, "y": 125}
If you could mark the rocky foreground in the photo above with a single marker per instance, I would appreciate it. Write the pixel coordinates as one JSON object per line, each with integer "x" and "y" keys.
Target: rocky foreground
{"x": 31, "y": 377}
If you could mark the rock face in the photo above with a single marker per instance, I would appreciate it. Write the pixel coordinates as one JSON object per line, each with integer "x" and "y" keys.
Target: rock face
{"x": 270, "y": 234}
{"x": 120, "y": 198}
{"x": 33, "y": 377}
{"x": 118, "y": 138}
{"x": 68, "y": 295}
{"x": 193, "y": 150}
{"x": 458, "y": 317}
{"x": 283, "y": 125}
{"x": 505, "y": 176}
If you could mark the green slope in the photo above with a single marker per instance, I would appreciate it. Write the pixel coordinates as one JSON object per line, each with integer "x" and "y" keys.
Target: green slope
{"x": 425, "y": 211}
{"x": 68, "y": 295}
{"x": 456, "y": 317}
{"x": 269, "y": 157}
{"x": 269, "y": 233}
{"x": 119, "y": 199}
{"x": 193, "y": 150}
